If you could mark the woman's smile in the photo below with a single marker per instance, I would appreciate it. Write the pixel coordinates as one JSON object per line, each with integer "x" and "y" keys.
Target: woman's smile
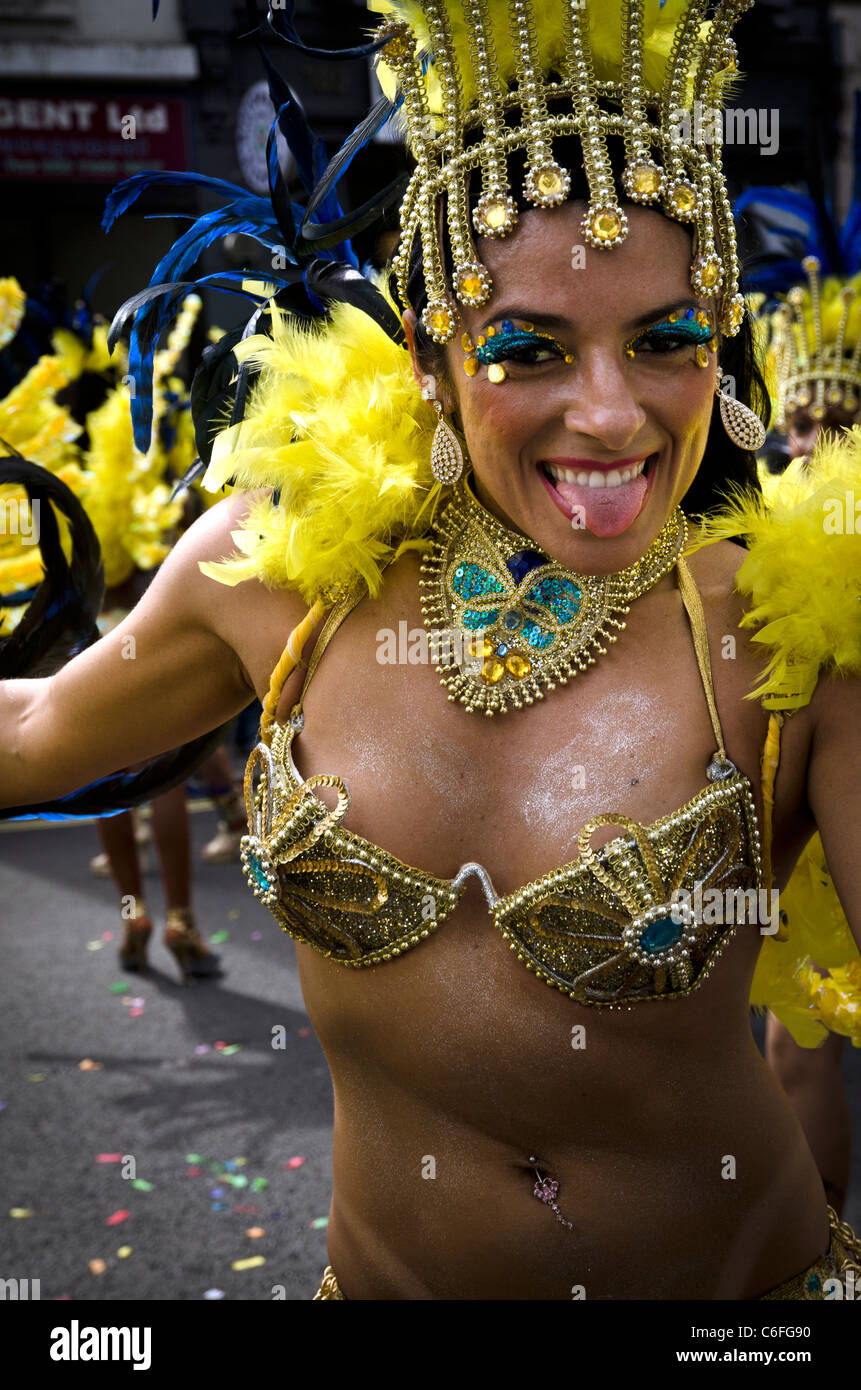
{"x": 602, "y": 498}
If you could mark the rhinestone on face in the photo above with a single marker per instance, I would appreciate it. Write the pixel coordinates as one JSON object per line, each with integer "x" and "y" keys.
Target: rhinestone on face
{"x": 496, "y": 373}
{"x": 470, "y": 365}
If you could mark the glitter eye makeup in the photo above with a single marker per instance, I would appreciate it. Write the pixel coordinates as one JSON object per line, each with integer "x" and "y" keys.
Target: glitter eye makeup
{"x": 496, "y": 346}
{"x": 693, "y": 328}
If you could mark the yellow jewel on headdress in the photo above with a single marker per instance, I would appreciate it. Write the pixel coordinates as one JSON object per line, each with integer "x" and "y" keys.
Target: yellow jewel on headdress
{"x": 481, "y": 79}
{"x": 814, "y": 352}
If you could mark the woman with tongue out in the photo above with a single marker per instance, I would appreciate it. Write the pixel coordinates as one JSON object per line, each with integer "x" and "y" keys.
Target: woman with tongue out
{"x": 499, "y": 920}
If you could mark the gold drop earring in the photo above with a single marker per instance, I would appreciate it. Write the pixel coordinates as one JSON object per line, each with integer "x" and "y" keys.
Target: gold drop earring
{"x": 742, "y": 424}
{"x": 446, "y": 459}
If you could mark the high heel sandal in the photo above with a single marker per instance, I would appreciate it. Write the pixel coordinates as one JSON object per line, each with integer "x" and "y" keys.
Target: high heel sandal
{"x": 133, "y": 947}
{"x": 183, "y": 940}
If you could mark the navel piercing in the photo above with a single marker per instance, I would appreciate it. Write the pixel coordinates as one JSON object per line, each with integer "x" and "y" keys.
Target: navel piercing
{"x": 545, "y": 1190}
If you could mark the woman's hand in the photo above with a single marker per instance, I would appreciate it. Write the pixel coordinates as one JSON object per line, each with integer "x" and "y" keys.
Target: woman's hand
{"x": 834, "y": 787}
{"x": 165, "y": 675}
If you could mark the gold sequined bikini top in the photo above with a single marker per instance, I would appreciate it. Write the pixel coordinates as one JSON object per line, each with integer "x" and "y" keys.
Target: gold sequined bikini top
{"x": 613, "y": 927}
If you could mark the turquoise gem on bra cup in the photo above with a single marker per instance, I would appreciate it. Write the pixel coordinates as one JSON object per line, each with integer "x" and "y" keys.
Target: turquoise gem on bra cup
{"x": 660, "y": 934}
{"x": 258, "y": 872}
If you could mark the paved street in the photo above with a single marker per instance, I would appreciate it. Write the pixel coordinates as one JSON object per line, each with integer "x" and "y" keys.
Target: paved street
{"x": 212, "y": 1130}
{"x": 158, "y": 1097}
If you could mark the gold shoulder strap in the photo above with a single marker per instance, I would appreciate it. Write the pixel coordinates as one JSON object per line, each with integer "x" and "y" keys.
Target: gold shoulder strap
{"x": 291, "y": 657}
{"x": 697, "y": 618}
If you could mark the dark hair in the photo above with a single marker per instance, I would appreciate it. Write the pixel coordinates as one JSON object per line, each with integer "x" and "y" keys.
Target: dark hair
{"x": 723, "y": 464}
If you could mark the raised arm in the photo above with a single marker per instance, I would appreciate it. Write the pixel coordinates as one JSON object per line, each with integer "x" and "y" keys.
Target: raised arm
{"x": 834, "y": 788}
{"x": 167, "y": 674}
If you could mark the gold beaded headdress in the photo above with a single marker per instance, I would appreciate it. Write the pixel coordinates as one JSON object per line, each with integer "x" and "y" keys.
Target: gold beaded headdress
{"x": 481, "y": 78}
{"x": 814, "y": 353}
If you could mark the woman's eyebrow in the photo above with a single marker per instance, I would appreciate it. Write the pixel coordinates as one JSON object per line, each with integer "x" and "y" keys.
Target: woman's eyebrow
{"x": 558, "y": 322}
{"x": 662, "y": 312}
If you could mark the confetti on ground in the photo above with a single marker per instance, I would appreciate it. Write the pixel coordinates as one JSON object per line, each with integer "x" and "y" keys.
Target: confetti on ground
{"x": 214, "y": 1293}
{"x": 254, "y": 1262}
{"x": 135, "y": 1013}
{"x": 97, "y": 1266}
{"x": 257, "y": 936}
{"x": 255, "y": 1232}
{"x": 304, "y": 1032}
{"x": 295, "y": 1162}
{"x": 142, "y": 1185}
{"x": 239, "y": 1180}
{"x": 2, "y": 1105}
{"x": 124, "y": 1252}
{"x": 193, "y": 1158}
{"x": 248, "y": 1208}
{"x": 37, "y": 1076}
{"x": 107, "y": 936}
{"x": 319, "y": 1223}
{"x": 240, "y": 1162}
{"x": 95, "y": 945}
{"x": 259, "y": 1184}
{"x": 89, "y": 1065}
{"x": 219, "y": 936}
{"x": 228, "y": 1051}
{"x": 20, "y": 1212}
{"x": 119, "y": 987}
{"x": 233, "y": 915}
{"x": 219, "y": 1206}
{"x": 231, "y": 1165}
{"x": 217, "y": 1192}
{"x": 220, "y": 1046}
{"x": 201, "y": 1048}
{"x": 193, "y": 1172}
{"x": 109, "y": 1158}
{"x": 117, "y": 1217}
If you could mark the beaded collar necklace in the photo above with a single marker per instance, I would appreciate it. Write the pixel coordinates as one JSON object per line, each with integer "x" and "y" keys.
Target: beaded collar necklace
{"x": 507, "y": 623}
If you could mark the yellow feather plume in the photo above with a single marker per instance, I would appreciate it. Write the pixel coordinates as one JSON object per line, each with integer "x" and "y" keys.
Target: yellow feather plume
{"x": 13, "y": 302}
{"x": 606, "y": 35}
{"x": 124, "y": 495}
{"x": 336, "y": 423}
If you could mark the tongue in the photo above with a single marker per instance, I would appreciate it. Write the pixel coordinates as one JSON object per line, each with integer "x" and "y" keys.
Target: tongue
{"x": 605, "y": 511}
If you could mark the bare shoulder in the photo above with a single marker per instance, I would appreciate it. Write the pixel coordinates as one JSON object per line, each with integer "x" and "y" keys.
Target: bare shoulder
{"x": 714, "y": 568}
{"x": 253, "y": 620}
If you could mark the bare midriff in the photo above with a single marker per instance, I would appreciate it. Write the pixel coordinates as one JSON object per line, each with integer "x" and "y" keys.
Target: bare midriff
{"x": 680, "y": 1164}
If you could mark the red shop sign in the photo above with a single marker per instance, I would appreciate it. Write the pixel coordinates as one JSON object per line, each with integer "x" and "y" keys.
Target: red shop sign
{"x": 60, "y": 138}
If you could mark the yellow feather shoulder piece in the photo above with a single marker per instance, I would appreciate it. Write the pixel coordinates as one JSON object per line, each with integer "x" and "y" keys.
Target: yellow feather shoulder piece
{"x": 802, "y": 573}
{"x": 788, "y": 978}
{"x": 337, "y": 428}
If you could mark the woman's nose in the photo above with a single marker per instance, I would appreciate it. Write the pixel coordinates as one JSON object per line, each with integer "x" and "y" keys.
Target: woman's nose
{"x": 602, "y": 405}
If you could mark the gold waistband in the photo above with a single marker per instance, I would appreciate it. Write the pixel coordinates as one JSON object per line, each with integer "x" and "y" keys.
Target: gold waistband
{"x": 816, "y": 1283}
